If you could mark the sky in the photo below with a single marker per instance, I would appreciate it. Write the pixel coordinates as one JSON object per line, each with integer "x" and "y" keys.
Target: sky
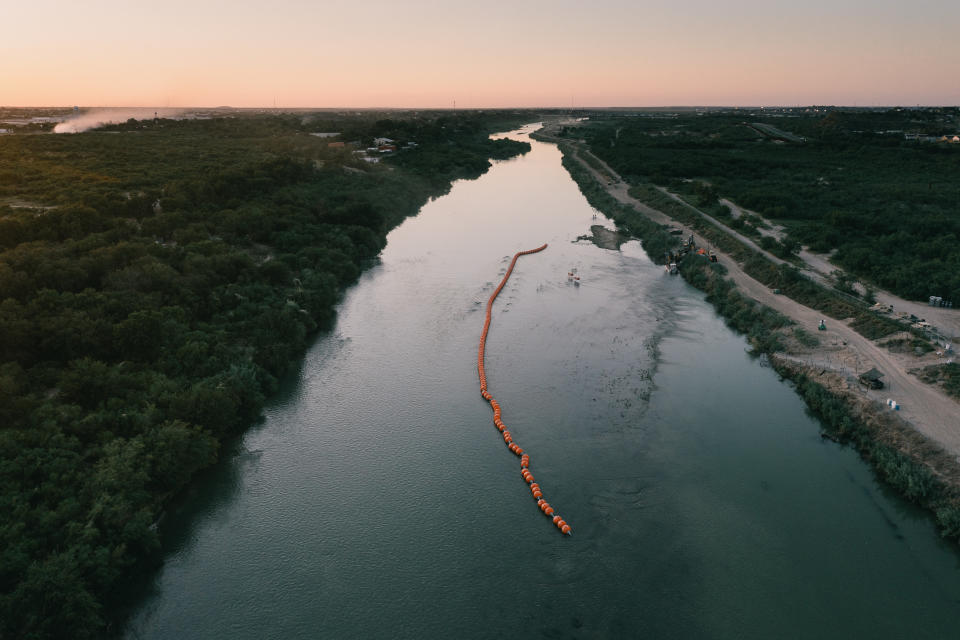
{"x": 480, "y": 54}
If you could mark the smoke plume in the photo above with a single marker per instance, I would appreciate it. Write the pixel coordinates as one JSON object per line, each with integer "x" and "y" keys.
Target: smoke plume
{"x": 93, "y": 118}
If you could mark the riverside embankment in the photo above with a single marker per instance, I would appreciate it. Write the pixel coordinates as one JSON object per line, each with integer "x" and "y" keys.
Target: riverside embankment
{"x": 377, "y": 501}
{"x": 917, "y": 450}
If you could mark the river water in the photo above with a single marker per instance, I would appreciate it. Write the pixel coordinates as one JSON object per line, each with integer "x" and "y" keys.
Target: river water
{"x": 377, "y": 499}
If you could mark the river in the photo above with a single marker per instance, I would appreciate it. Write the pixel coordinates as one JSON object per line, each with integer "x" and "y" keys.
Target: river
{"x": 377, "y": 500}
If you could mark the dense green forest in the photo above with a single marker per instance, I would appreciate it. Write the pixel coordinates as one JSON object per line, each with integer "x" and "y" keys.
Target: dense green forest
{"x": 157, "y": 278}
{"x": 844, "y": 180}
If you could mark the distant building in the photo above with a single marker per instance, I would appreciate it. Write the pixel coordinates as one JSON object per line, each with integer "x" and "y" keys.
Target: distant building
{"x": 336, "y": 145}
{"x": 387, "y": 148}
{"x": 377, "y": 142}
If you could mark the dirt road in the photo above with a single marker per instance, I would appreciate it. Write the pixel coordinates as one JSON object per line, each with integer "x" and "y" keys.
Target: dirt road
{"x": 819, "y": 269}
{"x": 947, "y": 321}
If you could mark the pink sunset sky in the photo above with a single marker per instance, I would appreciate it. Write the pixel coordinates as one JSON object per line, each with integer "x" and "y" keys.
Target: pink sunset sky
{"x": 493, "y": 53}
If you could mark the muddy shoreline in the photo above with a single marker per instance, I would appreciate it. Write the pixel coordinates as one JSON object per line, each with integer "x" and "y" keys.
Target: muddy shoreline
{"x": 604, "y": 238}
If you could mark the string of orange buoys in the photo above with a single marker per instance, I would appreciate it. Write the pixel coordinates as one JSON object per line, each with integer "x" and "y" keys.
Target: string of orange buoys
{"x": 507, "y": 437}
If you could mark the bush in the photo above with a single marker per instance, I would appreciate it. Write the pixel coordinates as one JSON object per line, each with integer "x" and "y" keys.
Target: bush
{"x": 913, "y": 479}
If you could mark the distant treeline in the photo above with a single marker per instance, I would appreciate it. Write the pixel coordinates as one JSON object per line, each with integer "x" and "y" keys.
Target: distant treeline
{"x": 888, "y": 205}
{"x": 156, "y": 280}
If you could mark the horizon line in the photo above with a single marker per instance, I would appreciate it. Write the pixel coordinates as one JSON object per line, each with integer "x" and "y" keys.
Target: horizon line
{"x": 500, "y": 108}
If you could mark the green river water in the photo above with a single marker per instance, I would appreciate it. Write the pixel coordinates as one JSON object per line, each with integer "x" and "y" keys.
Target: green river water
{"x": 377, "y": 500}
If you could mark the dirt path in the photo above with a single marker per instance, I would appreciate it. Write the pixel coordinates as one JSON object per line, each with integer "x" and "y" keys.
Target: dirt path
{"x": 819, "y": 268}
{"x": 842, "y": 349}
{"x": 947, "y": 321}
{"x": 930, "y": 412}
{"x": 776, "y": 231}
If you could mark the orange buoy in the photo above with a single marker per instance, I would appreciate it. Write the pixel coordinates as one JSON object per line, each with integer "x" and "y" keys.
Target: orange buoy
{"x": 497, "y": 411}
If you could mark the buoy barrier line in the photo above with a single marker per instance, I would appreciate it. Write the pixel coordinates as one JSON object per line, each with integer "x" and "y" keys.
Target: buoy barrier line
{"x": 514, "y": 448}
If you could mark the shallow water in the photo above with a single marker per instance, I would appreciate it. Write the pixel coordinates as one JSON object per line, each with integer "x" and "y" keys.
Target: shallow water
{"x": 377, "y": 499}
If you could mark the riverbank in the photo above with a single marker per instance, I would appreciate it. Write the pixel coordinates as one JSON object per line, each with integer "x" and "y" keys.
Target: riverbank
{"x": 916, "y": 451}
{"x": 149, "y": 309}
